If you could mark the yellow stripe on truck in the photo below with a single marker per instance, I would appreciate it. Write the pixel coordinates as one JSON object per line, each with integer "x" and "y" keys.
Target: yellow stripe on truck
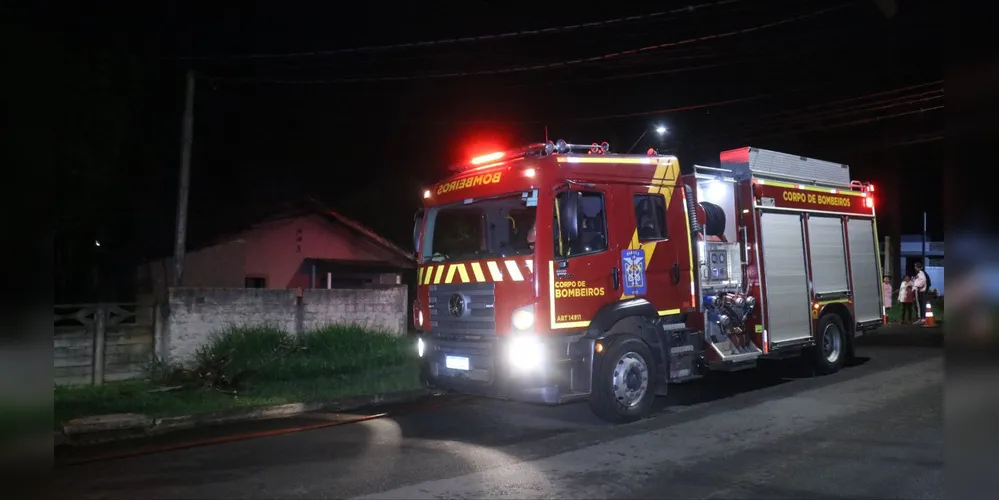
{"x": 458, "y": 272}
{"x": 494, "y": 271}
{"x": 664, "y": 183}
{"x": 513, "y": 271}
{"x": 477, "y": 271}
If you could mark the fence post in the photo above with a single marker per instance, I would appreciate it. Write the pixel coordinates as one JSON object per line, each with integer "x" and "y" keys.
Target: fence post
{"x": 100, "y": 325}
{"x": 158, "y": 332}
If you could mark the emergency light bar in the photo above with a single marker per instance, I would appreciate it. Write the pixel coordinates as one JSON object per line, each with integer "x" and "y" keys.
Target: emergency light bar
{"x": 537, "y": 149}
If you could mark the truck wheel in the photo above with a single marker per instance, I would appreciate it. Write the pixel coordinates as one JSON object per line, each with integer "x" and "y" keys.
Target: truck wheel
{"x": 831, "y": 345}
{"x": 624, "y": 385}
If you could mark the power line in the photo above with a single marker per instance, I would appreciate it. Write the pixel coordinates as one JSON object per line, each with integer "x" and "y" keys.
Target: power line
{"x": 845, "y": 124}
{"x": 459, "y": 40}
{"x": 848, "y": 111}
{"x": 745, "y": 99}
{"x": 537, "y": 67}
{"x": 859, "y": 98}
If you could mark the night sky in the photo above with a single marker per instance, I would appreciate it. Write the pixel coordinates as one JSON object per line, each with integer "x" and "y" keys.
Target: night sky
{"x": 347, "y": 105}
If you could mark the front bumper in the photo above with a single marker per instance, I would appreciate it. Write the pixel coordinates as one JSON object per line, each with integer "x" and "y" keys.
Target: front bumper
{"x": 561, "y": 375}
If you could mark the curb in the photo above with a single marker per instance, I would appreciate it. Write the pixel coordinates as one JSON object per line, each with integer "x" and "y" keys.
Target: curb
{"x": 142, "y": 426}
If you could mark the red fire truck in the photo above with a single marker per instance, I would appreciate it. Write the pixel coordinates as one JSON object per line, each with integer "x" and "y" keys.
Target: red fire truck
{"x": 559, "y": 272}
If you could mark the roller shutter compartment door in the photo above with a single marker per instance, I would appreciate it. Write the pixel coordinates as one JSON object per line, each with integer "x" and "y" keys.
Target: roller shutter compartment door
{"x": 783, "y": 246}
{"x": 864, "y": 270}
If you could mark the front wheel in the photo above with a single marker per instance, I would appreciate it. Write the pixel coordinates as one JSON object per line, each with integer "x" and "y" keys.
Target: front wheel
{"x": 831, "y": 346}
{"x": 624, "y": 384}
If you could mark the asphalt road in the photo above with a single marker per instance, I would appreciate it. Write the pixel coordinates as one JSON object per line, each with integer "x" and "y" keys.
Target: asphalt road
{"x": 872, "y": 430}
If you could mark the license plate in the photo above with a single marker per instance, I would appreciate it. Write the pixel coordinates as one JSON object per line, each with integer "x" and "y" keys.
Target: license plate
{"x": 456, "y": 362}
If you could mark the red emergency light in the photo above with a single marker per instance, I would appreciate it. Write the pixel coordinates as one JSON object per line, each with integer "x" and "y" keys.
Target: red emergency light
{"x": 479, "y": 160}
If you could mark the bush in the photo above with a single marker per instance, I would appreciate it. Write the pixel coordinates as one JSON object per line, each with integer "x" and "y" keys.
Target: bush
{"x": 256, "y": 354}
{"x": 244, "y": 367}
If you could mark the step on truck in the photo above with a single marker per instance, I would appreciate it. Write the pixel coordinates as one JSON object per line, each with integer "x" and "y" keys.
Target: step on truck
{"x": 559, "y": 272}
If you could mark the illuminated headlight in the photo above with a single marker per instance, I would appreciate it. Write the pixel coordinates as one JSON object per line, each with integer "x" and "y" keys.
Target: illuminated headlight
{"x": 420, "y": 347}
{"x": 526, "y": 352}
{"x": 523, "y": 319}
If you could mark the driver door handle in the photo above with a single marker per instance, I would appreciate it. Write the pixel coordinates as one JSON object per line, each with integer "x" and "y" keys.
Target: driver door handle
{"x": 616, "y": 277}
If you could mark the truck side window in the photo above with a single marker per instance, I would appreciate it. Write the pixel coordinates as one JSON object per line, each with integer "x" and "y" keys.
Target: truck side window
{"x": 650, "y": 217}
{"x": 592, "y": 227}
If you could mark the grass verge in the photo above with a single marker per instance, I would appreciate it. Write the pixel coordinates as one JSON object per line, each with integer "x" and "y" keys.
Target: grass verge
{"x": 242, "y": 368}
{"x": 936, "y": 305}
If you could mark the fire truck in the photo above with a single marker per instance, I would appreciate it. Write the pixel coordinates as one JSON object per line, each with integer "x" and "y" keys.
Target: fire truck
{"x": 559, "y": 272}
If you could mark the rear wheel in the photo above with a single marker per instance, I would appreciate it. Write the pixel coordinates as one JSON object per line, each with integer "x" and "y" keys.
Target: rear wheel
{"x": 831, "y": 346}
{"x": 624, "y": 384}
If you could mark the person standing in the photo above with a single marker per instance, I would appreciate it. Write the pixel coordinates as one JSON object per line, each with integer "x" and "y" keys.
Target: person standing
{"x": 905, "y": 297}
{"x": 886, "y": 293}
{"x": 921, "y": 283}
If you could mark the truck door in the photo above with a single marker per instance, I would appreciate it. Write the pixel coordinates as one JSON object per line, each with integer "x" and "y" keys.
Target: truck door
{"x": 584, "y": 274}
{"x": 661, "y": 243}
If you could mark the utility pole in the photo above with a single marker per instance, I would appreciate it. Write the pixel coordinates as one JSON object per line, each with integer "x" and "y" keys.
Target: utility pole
{"x": 186, "y": 138}
{"x": 924, "y": 241}
{"x": 889, "y": 264}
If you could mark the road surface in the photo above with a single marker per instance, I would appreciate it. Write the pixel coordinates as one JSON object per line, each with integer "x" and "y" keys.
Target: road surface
{"x": 872, "y": 430}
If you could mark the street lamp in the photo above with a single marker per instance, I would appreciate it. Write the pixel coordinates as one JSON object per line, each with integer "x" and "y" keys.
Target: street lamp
{"x": 660, "y": 129}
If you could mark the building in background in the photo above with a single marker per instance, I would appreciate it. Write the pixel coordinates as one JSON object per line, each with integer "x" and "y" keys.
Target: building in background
{"x": 301, "y": 245}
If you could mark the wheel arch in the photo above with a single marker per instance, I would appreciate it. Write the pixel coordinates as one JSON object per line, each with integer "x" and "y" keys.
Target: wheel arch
{"x": 634, "y": 317}
{"x": 845, "y": 316}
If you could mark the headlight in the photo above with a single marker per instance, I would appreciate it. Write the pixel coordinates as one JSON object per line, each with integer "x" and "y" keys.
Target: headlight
{"x": 526, "y": 352}
{"x": 420, "y": 347}
{"x": 417, "y": 314}
{"x": 523, "y": 319}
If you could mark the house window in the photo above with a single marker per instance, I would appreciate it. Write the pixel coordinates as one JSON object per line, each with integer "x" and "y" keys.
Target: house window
{"x": 256, "y": 282}
{"x": 650, "y": 217}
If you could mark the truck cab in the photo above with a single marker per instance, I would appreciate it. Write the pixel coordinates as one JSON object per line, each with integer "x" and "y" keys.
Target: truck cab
{"x": 559, "y": 272}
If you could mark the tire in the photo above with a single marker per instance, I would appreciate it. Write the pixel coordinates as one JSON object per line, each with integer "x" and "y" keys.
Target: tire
{"x": 831, "y": 345}
{"x": 611, "y": 400}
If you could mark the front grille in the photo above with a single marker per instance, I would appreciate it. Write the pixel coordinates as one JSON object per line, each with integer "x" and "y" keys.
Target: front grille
{"x": 475, "y": 318}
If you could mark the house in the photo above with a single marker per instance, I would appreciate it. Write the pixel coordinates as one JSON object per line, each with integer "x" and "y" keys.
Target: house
{"x": 299, "y": 245}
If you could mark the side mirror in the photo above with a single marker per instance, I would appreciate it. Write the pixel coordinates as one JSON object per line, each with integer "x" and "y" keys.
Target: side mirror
{"x": 417, "y": 222}
{"x": 568, "y": 207}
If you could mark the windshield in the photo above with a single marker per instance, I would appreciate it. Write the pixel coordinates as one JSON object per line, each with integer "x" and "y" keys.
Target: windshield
{"x": 494, "y": 228}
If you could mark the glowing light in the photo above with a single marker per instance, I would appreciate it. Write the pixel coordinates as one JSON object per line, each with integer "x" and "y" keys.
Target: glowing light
{"x": 526, "y": 352}
{"x": 604, "y": 159}
{"x": 479, "y": 160}
{"x": 530, "y": 173}
{"x": 660, "y": 130}
{"x": 426, "y": 194}
{"x": 714, "y": 191}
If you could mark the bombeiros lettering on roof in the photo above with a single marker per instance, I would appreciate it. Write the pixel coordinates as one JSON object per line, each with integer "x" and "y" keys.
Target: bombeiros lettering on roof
{"x": 468, "y": 182}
